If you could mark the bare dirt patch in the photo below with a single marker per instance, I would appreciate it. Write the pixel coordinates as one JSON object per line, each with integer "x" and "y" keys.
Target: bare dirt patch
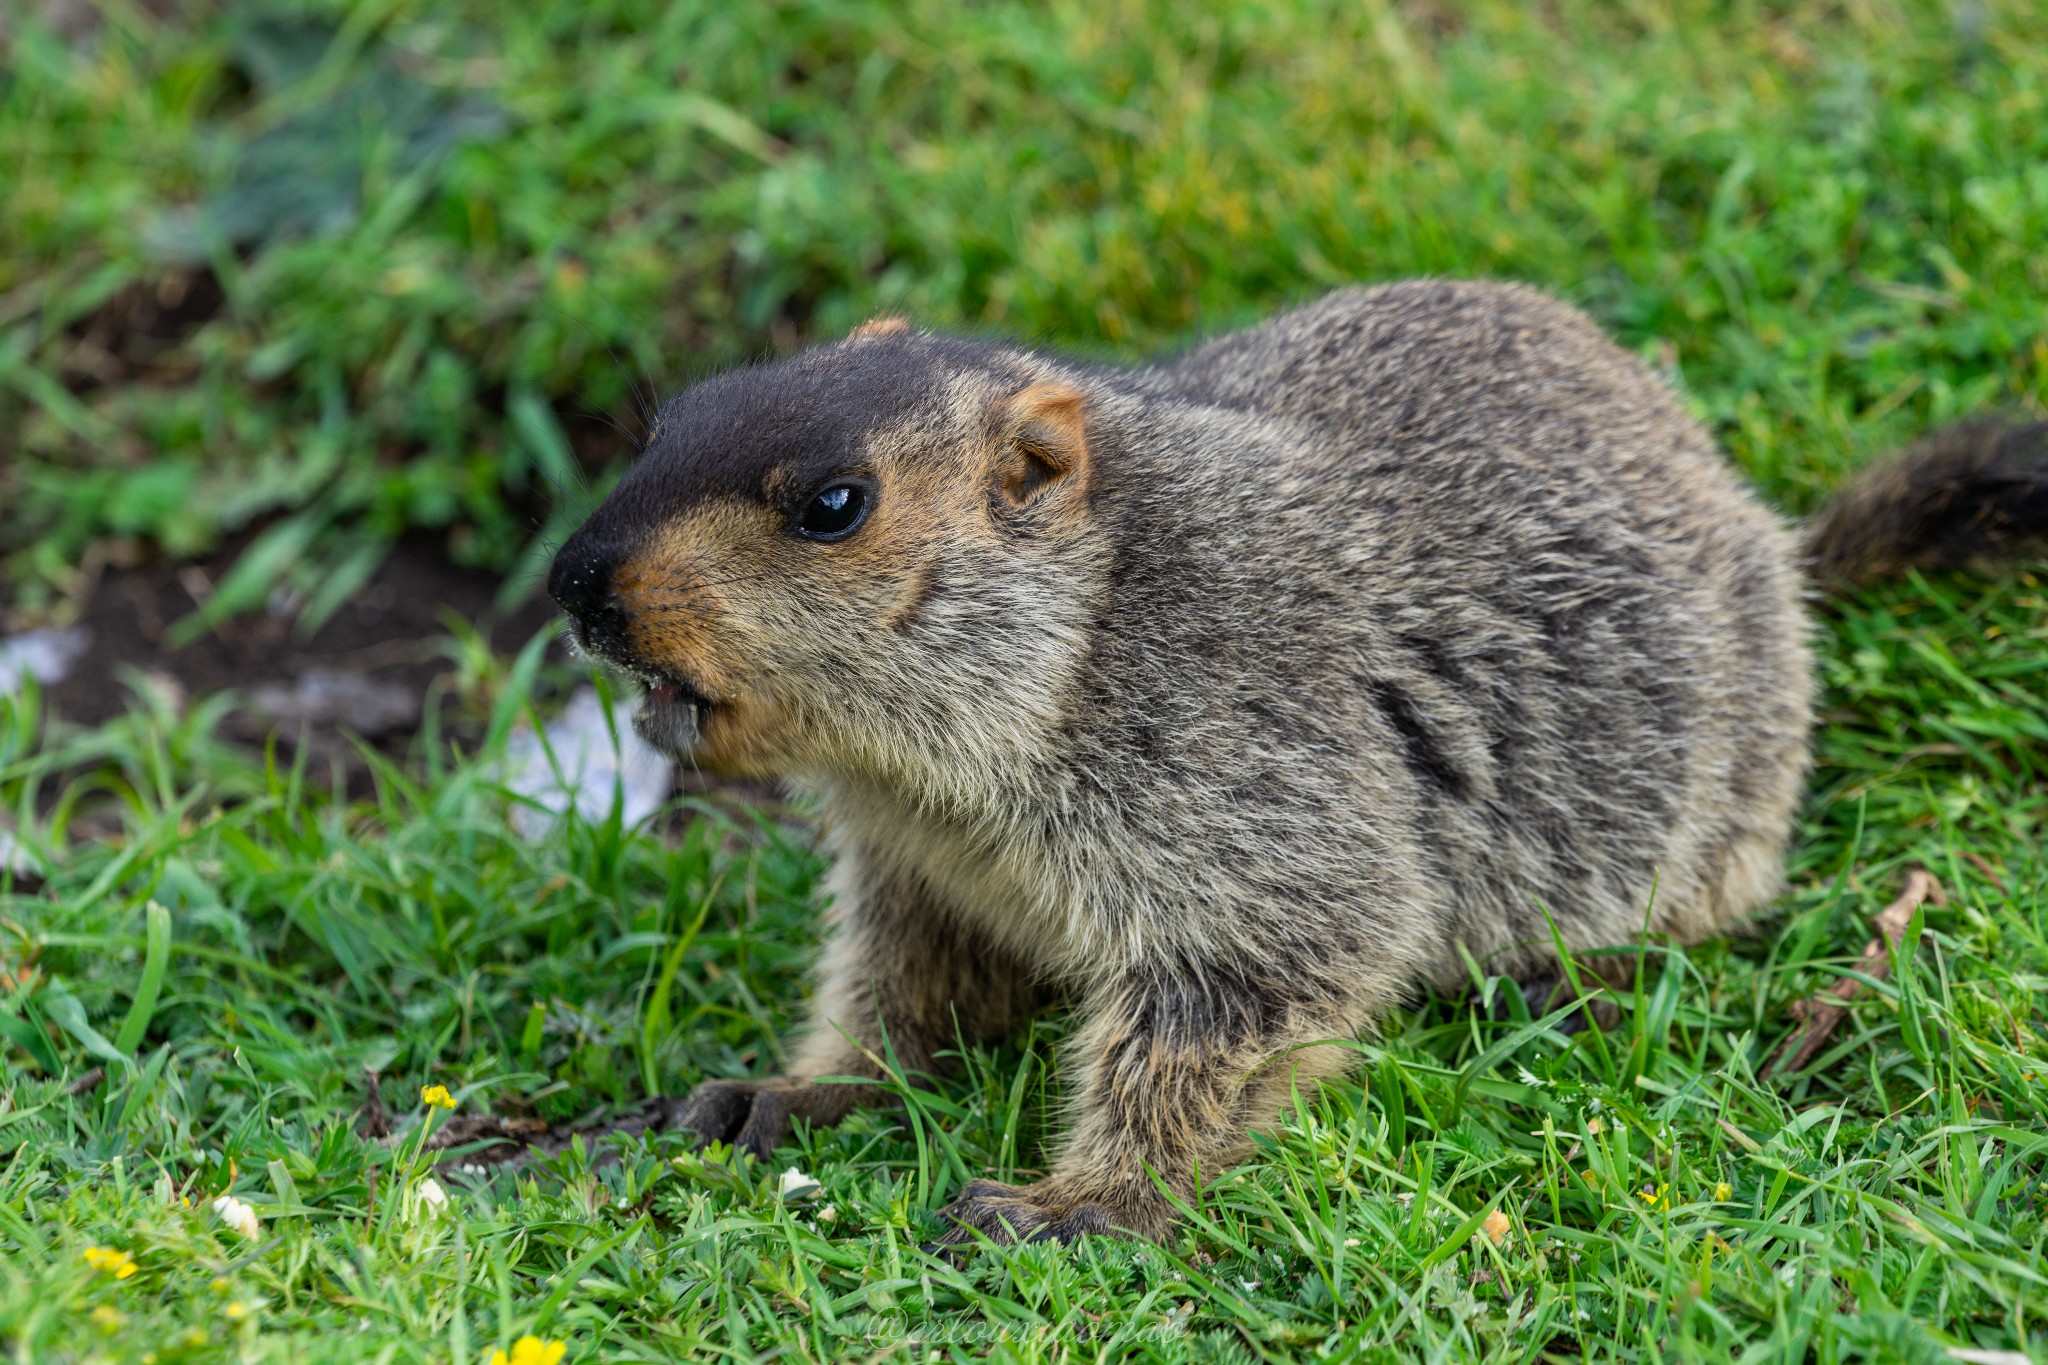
{"x": 366, "y": 670}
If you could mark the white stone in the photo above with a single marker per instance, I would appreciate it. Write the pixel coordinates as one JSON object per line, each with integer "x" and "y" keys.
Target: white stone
{"x": 45, "y": 655}
{"x": 592, "y": 769}
{"x": 17, "y": 857}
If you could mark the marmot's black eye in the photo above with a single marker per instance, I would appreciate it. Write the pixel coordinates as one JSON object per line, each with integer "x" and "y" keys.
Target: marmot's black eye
{"x": 836, "y": 512}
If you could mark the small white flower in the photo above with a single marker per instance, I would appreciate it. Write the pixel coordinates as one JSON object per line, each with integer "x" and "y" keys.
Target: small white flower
{"x": 238, "y": 1216}
{"x": 432, "y": 1197}
{"x": 796, "y": 1185}
{"x": 829, "y": 1214}
{"x": 1351, "y": 1241}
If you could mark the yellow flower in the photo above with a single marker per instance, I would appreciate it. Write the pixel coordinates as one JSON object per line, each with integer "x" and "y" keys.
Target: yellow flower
{"x": 236, "y": 1311}
{"x": 219, "y": 1285}
{"x": 1496, "y": 1227}
{"x": 1659, "y": 1198}
{"x": 1723, "y": 1192}
{"x": 119, "y": 1264}
{"x": 437, "y": 1097}
{"x": 531, "y": 1351}
{"x": 108, "y": 1318}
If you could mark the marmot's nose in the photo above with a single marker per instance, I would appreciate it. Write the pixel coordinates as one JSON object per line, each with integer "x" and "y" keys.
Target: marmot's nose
{"x": 581, "y": 582}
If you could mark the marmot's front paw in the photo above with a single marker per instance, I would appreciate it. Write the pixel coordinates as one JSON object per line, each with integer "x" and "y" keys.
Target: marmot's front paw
{"x": 1046, "y": 1212}
{"x": 752, "y": 1115}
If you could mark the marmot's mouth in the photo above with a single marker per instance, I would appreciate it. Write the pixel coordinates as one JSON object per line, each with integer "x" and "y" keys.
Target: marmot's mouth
{"x": 674, "y": 710}
{"x": 666, "y": 692}
{"x": 673, "y": 714}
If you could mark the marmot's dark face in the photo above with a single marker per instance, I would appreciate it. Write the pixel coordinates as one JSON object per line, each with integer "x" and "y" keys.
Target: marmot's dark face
{"x": 805, "y": 562}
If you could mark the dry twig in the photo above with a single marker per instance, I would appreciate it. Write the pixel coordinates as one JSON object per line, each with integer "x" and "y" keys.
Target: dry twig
{"x": 1826, "y": 1010}
{"x": 1983, "y": 865}
{"x": 371, "y": 1120}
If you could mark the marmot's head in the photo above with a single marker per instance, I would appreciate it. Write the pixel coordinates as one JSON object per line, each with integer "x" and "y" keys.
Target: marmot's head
{"x": 870, "y": 558}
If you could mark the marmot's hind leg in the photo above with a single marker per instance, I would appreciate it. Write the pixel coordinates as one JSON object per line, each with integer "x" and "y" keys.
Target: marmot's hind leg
{"x": 1175, "y": 1070}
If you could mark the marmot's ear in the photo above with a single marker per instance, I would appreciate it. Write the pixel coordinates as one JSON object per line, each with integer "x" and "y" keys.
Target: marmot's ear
{"x": 881, "y": 325}
{"x": 1043, "y": 440}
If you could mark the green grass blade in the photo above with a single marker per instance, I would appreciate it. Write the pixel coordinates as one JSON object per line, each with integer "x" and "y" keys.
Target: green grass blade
{"x": 156, "y": 961}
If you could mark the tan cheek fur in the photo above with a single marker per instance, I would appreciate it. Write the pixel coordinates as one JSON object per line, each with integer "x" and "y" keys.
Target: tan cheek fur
{"x": 726, "y": 599}
{"x": 679, "y": 598}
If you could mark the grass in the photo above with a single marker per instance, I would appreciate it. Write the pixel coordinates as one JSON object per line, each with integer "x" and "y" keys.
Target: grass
{"x": 247, "y": 946}
{"x": 1826, "y": 220}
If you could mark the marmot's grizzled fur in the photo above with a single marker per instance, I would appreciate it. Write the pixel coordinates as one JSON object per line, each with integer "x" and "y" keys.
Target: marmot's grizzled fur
{"x": 1231, "y": 696}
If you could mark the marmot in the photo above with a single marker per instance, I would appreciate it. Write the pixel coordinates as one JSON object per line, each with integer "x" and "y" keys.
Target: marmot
{"x": 1234, "y": 694}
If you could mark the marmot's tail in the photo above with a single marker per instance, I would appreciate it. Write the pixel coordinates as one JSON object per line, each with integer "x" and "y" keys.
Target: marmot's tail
{"x": 1971, "y": 493}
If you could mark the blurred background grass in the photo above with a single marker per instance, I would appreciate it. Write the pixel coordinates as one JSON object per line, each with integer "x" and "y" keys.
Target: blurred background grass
{"x": 298, "y": 278}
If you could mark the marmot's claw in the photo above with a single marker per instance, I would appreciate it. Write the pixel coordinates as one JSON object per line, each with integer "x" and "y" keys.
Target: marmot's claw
{"x": 752, "y": 1115}
{"x": 1010, "y": 1214}
{"x": 767, "y": 1124}
{"x": 1542, "y": 992}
